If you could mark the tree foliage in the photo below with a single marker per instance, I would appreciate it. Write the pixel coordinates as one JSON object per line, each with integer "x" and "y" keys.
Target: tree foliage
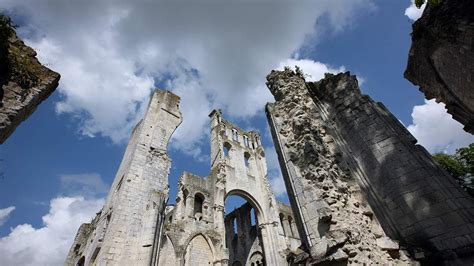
{"x": 460, "y": 165}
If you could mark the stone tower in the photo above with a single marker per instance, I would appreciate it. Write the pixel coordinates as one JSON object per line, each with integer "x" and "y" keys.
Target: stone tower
{"x": 126, "y": 230}
{"x": 198, "y": 232}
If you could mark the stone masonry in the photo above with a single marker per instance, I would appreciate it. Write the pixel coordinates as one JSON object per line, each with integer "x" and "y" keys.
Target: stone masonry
{"x": 24, "y": 82}
{"x": 127, "y": 229}
{"x": 441, "y": 59}
{"x": 358, "y": 183}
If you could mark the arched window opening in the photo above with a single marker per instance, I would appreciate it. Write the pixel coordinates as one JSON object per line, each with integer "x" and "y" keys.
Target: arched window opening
{"x": 227, "y": 148}
{"x": 234, "y": 224}
{"x": 246, "y": 141}
{"x": 281, "y": 223}
{"x": 241, "y": 228}
{"x": 290, "y": 223}
{"x": 247, "y": 159}
{"x": 170, "y": 219}
{"x": 198, "y": 201}
{"x": 253, "y": 218}
{"x": 94, "y": 255}
{"x": 81, "y": 261}
{"x": 235, "y": 135}
{"x": 185, "y": 196}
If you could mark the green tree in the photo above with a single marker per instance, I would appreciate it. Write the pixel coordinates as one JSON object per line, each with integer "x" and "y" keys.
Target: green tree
{"x": 460, "y": 165}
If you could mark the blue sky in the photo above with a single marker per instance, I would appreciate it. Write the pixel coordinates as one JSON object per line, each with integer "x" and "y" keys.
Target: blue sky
{"x": 58, "y": 164}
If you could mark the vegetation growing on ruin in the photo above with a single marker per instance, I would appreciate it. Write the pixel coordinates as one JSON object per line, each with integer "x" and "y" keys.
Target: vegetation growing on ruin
{"x": 460, "y": 165}
{"x": 15, "y": 60}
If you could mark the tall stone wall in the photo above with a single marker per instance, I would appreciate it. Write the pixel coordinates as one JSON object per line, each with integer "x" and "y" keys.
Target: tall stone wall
{"x": 339, "y": 150}
{"x": 441, "y": 59}
{"x": 128, "y": 228}
{"x": 24, "y": 82}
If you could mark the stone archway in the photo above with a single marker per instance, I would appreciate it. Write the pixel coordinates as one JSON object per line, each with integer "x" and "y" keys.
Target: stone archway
{"x": 242, "y": 233}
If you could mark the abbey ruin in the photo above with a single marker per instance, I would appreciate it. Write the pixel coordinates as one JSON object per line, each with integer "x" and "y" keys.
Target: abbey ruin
{"x": 361, "y": 190}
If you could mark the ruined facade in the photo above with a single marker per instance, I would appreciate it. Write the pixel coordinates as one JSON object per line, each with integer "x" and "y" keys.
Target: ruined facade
{"x": 441, "y": 59}
{"x": 357, "y": 180}
{"x": 135, "y": 227}
{"x": 24, "y": 82}
{"x": 361, "y": 190}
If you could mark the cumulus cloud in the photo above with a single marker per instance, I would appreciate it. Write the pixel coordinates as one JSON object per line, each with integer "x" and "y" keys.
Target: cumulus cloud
{"x": 48, "y": 245}
{"x": 213, "y": 54}
{"x": 88, "y": 185}
{"x": 313, "y": 70}
{"x": 5, "y": 213}
{"x": 413, "y": 12}
{"x": 436, "y": 130}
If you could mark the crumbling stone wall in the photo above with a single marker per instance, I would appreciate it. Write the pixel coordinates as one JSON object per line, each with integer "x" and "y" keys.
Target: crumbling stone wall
{"x": 127, "y": 229}
{"x": 24, "y": 82}
{"x": 339, "y": 151}
{"x": 334, "y": 220}
{"x": 441, "y": 59}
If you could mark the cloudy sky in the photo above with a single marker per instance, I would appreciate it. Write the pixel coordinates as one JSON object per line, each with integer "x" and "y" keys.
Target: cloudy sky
{"x": 58, "y": 165}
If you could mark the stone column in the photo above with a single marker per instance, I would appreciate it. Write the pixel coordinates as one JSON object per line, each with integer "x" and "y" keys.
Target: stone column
{"x": 286, "y": 226}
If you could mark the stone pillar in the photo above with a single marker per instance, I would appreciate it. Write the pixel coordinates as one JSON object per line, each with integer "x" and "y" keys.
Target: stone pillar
{"x": 286, "y": 226}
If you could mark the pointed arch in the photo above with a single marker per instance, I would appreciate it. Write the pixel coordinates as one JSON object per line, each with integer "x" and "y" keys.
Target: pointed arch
{"x": 168, "y": 253}
{"x": 199, "y": 251}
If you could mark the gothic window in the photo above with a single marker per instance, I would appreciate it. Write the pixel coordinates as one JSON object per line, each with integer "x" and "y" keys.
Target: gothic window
{"x": 253, "y": 218}
{"x": 227, "y": 148}
{"x": 94, "y": 255}
{"x": 235, "y": 135}
{"x": 81, "y": 261}
{"x": 185, "y": 196}
{"x": 246, "y": 159}
{"x": 290, "y": 223}
{"x": 281, "y": 223}
{"x": 198, "y": 201}
{"x": 246, "y": 141}
{"x": 235, "y": 226}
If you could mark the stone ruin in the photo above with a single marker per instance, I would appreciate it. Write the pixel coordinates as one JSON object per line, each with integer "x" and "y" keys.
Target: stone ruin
{"x": 441, "y": 58}
{"x": 136, "y": 227}
{"x": 361, "y": 190}
{"x": 24, "y": 82}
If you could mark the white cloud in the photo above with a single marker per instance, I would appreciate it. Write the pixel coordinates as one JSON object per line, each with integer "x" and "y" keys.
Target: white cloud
{"x": 89, "y": 184}
{"x": 48, "y": 245}
{"x": 5, "y": 213}
{"x": 436, "y": 130}
{"x": 213, "y": 54}
{"x": 313, "y": 70}
{"x": 413, "y": 12}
